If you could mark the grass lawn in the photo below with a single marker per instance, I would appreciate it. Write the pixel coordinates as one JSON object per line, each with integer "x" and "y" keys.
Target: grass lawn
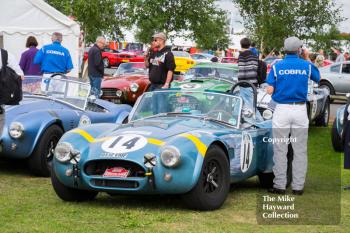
{"x": 29, "y": 204}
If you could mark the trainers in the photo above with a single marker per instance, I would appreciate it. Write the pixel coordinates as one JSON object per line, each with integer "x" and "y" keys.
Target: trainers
{"x": 277, "y": 191}
{"x": 298, "y": 192}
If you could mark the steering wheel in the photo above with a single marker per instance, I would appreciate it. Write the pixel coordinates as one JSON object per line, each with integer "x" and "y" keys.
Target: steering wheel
{"x": 222, "y": 114}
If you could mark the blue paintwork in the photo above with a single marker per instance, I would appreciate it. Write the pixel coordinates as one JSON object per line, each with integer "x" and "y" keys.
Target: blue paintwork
{"x": 37, "y": 113}
{"x": 168, "y": 129}
{"x": 339, "y": 123}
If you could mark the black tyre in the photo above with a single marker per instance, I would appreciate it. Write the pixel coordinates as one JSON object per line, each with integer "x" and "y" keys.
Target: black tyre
{"x": 70, "y": 194}
{"x": 266, "y": 179}
{"x": 290, "y": 156}
{"x": 323, "y": 119}
{"x": 106, "y": 62}
{"x": 40, "y": 160}
{"x": 336, "y": 139}
{"x": 213, "y": 184}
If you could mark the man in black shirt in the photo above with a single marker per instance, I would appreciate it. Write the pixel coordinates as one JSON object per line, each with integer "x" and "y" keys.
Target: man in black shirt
{"x": 161, "y": 64}
{"x": 95, "y": 67}
{"x": 161, "y": 70}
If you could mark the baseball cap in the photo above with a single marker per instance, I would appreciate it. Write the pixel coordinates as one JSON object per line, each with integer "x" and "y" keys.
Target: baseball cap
{"x": 160, "y": 35}
{"x": 292, "y": 44}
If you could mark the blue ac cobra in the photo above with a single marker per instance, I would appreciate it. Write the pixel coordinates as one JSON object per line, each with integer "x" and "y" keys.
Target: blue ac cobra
{"x": 338, "y": 128}
{"x": 194, "y": 143}
{"x": 48, "y": 109}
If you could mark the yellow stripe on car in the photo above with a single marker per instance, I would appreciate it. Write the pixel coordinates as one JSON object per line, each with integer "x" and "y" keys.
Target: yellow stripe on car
{"x": 84, "y": 134}
{"x": 201, "y": 147}
{"x": 155, "y": 141}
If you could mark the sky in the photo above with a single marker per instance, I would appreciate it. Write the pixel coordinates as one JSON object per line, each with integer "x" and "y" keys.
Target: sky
{"x": 343, "y": 26}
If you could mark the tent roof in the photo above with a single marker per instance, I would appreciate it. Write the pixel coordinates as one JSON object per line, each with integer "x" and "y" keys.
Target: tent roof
{"x": 34, "y": 17}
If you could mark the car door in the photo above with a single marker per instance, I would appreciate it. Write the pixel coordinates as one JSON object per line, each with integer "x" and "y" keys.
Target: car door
{"x": 344, "y": 79}
{"x": 334, "y": 75}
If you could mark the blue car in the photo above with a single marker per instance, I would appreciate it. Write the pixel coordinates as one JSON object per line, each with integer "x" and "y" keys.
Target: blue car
{"x": 338, "y": 128}
{"x": 48, "y": 109}
{"x": 193, "y": 143}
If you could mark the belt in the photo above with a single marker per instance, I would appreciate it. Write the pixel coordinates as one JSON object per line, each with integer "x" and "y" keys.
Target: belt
{"x": 53, "y": 73}
{"x": 296, "y": 103}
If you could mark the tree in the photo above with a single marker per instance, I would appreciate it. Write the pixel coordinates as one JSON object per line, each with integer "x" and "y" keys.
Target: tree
{"x": 96, "y": 17}
{"x": 269, "y": 22}
{"x": 200, "y": 21}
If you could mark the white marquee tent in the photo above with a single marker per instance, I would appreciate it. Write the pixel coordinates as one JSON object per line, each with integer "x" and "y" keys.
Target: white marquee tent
{"x": 22, "y": 18}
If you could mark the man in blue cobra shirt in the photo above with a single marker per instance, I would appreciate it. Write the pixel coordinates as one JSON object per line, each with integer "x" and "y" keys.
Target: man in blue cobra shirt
{"x": 288, "y": 84}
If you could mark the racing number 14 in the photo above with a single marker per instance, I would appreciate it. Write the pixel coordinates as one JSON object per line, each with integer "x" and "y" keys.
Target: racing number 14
{"x": 128, "y": 144}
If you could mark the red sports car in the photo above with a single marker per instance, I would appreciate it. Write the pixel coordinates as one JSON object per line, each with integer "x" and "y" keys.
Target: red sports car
{"x": 127, "y": 84}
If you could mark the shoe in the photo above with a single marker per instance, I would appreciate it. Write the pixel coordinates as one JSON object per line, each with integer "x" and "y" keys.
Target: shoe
{"x": 277, "y": 191}
{"x": 347, "y": 188}
{"x": 298, "y": 192}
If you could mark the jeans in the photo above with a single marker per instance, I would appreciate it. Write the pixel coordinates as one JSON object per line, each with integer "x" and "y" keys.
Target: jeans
{"x": 158, "y": 99}
{"x": 95, "y": 83}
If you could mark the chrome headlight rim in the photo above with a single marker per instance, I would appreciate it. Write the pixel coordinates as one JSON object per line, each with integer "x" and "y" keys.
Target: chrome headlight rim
{"x": 16, "y": 126}
{"x": 267, "y": 114}
{"x": 134, "y": 87}
{"x": 119, "y": 93}
{"x": 173, "y": 151}
{"x": 63, "y": 152}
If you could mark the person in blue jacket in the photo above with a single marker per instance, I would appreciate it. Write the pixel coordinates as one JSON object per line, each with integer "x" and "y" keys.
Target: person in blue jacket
{"x": 54, "y": 58}
{"x": 288, "y": 84}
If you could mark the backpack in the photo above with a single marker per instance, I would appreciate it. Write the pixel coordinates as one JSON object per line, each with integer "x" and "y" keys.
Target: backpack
{"x": 10, "y": 83}
{"x": 262, "y": 72}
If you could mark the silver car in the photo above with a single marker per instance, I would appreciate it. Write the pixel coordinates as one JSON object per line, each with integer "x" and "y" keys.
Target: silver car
{"x": 336, "y": 78}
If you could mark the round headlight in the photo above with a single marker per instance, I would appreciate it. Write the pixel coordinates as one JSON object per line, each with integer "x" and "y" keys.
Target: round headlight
{"x": 16, "y": 130}
{"x": 119, "y": 93}
{"x": 170, "y": 156}
{"x": 134, "y": 87}
{"x": 63, "y": 151}
{"x": 267, "y": 114}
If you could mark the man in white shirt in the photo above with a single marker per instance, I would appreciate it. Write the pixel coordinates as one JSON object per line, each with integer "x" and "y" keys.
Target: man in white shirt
{"x": 13, "y": 64}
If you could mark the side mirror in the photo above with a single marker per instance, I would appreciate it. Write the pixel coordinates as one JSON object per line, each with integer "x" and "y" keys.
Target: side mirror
{"x": 92, "y": 99}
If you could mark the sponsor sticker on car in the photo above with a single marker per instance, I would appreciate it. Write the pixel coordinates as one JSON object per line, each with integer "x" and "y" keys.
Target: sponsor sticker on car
{"x": 119, "y": 172}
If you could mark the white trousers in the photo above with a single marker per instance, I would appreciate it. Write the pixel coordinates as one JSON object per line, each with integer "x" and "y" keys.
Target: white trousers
{"x": 290, "y": 120}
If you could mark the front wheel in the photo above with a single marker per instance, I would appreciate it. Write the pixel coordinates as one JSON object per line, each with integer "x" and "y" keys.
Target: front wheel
{"x": 70, "y": 194}
{"x": 336, "y": 139}
{"x": 323, "y": 119}
{"x": 213, "y": 183}
{"x": 41, "y": 159}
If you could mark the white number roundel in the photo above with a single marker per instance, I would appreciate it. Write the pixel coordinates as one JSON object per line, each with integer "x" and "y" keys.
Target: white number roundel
{"x": 246, "y": 152}
{"x": 124, "y": 143}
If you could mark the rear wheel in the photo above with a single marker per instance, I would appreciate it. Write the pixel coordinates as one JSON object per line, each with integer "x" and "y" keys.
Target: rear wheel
{"x": 40, "y": 161}
{"x": 213, "y": 184}
{"x": 106, "y": 62}
{"x": 336, "y": 139}
{"x": 323, "y": 119}
{"x": 70, "y": 194}
{"x": 266, "y": 179}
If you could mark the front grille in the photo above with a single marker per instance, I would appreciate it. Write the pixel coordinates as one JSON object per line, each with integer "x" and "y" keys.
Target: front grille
{"x": 115, "y": 183}
{"x": 98, "y": 167}
{"x": 109, "y": 91}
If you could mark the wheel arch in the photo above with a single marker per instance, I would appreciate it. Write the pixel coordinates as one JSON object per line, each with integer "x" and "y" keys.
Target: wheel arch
{"x": 326, "y": 81}
{"x": 222, "y": 146}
